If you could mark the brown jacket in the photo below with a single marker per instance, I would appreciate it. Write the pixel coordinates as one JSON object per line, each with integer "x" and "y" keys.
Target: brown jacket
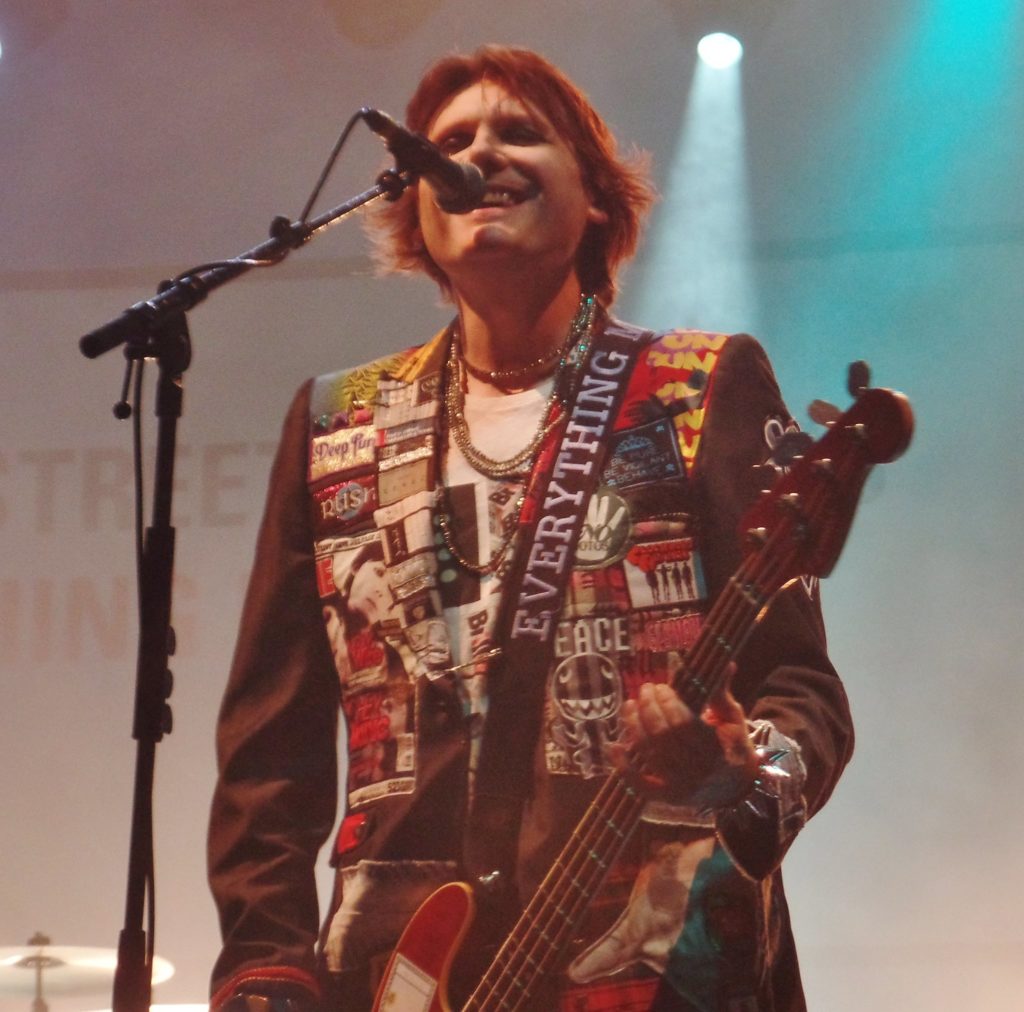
{"x": 696, "y": 904}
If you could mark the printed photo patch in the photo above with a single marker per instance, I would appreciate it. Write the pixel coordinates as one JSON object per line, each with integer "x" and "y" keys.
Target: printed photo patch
{"x": 660, "y": 573}
{"x": 382, "y": 750}
{"x": 363, "y": 622}
{"x": 430, "y": 641}
{"x": 418, "y": 607}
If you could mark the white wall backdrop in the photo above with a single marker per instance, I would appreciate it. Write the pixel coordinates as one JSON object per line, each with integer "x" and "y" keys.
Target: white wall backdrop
{"x": 881, "y": 149}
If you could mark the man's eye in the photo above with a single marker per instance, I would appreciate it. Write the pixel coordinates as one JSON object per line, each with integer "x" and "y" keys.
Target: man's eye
{"x": 451, "y": 143}
{"x": 523, "y": 133}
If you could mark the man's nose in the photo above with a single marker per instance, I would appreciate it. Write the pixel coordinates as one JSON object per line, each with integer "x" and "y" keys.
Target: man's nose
{"x": 486, "y": 152}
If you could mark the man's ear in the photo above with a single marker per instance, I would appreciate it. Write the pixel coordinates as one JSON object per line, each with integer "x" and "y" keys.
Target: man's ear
{"x": 596, "y": 216}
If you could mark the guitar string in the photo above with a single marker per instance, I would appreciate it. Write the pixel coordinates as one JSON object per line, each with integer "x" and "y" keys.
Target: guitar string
{"x": 615, "y": 806}
{"x": 522, "y": 946}
{"x": 519, "y": 956}
{"x": 737, "y": 612}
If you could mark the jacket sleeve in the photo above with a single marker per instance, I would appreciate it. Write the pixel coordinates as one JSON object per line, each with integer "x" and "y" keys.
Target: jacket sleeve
{"x": 784, "y": 680}
{"x": 276, "y": 793}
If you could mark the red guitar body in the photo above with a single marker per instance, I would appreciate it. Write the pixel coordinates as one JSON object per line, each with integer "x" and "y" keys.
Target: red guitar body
{"x": 417, "y": 974}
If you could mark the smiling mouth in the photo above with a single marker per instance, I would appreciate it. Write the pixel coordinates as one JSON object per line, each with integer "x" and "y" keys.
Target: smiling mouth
{"x": 503, "y": 196}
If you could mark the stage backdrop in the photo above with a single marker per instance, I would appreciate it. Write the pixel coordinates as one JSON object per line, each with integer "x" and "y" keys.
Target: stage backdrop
{"x": 852, "y": 192}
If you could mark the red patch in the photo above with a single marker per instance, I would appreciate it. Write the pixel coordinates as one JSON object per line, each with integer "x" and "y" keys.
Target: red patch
{"x": 351, "y": 833}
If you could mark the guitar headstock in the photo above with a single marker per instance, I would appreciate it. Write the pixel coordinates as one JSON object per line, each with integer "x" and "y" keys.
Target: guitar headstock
{"x": 805, "y": 518}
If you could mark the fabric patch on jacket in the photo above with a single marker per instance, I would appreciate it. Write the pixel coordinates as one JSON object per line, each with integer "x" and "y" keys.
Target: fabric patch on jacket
{"x": 643, "y": 455}
{"x": 348, "y": 449}
{"x": 664, "y": 573}
{"x": 691, "y": 918}
{"x": 673, "y": 379}
{"x": 347, "y": 397}
{"x": 627, "y": 621}
{"x": 345, "y": 503}
{"x": 604, "y": 537}
{"x": 648, "y": 927}
{"x": 409, "y": 543}
{"x": 714, "y": 960}
{"x": 600, "y": 660}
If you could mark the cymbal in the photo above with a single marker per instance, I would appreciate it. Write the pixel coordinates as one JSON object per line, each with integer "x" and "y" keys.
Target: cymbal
{"x": 66, "y": 969}
{"x": 188, "y": 1007}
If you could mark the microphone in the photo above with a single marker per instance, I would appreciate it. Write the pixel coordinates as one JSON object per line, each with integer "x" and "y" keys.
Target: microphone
{"x": 458, "y": 187}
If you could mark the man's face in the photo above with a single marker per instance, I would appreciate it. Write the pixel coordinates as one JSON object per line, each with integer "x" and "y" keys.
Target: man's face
{"x": 536, "y": 208}
{"x": 369, "y": 594}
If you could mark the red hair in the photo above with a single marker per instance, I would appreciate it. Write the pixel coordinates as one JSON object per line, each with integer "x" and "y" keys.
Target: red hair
{"x": 618, "y": 185}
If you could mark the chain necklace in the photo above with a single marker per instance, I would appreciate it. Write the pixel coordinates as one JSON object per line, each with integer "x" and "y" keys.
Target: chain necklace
{"x": 571, "y": 352}
{"x": 519, "y": 463}
{"x": 498, "y": 556}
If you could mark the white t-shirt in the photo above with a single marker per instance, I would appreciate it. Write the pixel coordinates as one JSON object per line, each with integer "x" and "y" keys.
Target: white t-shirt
{"x": 481, "y": 510}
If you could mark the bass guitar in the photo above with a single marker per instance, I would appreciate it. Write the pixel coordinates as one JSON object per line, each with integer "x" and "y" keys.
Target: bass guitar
{"x": 797, "y": 529}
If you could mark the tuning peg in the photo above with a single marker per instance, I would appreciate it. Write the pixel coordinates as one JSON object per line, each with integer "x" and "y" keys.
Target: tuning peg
{"x": 764, "y": 477}
{"x": 823, "y": 413}
{"x": 858, "y": 378}
{"x": 792, "y": 445}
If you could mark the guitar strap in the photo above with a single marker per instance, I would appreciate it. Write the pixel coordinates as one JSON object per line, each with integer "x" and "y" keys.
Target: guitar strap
{"x": 535, "y": 587}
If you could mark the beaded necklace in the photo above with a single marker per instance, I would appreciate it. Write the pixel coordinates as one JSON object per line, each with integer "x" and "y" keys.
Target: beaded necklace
{"x": 504, "y": 377}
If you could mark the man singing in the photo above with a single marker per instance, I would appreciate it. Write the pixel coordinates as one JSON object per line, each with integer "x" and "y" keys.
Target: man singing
{"x": 488, "y": 556}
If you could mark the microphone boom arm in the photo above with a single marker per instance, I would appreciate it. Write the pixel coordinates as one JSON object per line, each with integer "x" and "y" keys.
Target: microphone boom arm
{"x": 139, "y": 323}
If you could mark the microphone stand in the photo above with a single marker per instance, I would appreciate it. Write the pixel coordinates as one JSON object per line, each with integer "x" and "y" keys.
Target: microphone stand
{"x": 157, "y": 329}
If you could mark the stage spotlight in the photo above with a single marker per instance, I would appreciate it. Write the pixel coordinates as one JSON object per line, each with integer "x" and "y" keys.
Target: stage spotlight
{"x": 720, "y": 50}
{"x": 699, "y": 263}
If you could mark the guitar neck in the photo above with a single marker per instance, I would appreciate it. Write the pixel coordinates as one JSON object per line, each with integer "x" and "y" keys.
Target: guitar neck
{"x": 798, "y": 528}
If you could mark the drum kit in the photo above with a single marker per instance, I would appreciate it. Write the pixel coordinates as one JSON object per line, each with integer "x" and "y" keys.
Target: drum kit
{"x": 40, "y": 970}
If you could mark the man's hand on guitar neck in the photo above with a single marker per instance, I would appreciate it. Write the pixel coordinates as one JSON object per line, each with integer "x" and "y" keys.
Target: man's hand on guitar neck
{"x": 706, "y": 762}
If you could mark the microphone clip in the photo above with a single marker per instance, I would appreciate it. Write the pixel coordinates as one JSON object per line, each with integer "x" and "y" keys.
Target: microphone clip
{"x": 393, "y": 183}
